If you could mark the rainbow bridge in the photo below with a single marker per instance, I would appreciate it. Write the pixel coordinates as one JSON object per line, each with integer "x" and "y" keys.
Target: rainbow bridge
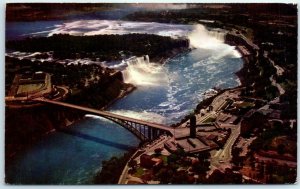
{"x": 144, "y": 130}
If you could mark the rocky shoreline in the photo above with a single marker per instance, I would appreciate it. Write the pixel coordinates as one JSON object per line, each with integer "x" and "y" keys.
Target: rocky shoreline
{"x": 12, "y": 149}
{"x": 65, "y": 122}
{"x": 204, "y": 102}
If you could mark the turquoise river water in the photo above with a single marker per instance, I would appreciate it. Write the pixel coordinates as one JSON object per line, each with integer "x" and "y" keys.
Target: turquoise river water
{"x": 164, "y": 94}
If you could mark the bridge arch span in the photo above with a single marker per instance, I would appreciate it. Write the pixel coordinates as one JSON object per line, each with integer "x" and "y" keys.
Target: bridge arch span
{"x": 143, "y": 130}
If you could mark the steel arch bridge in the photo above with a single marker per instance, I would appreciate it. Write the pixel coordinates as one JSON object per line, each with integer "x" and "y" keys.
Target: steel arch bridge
{"x": 143, "y": 130}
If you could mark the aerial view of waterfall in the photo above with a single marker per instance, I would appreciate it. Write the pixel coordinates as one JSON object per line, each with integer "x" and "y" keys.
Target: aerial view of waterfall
{"x": 148, "y": 94}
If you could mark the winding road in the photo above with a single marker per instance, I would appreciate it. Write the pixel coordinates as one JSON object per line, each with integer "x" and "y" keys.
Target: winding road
{"x": 222, "y": 157}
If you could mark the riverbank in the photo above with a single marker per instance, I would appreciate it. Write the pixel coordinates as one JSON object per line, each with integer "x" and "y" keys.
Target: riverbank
{"x": 247, "y": 49}
{"x": 112, "y": 168}
{"x": 203, "y": 104}
{"x": 24, "y": 127}
{"x": 48, "y": 119}
{"x": 251, "y": 59}
{"x": 129, "y": 89}
{"x": 164, "y": 59}
{"x": 171, "y": 54}
{"x": 59, "y": 120}
{"x": 240, "y": 74}
{"x": 125, "y": 158}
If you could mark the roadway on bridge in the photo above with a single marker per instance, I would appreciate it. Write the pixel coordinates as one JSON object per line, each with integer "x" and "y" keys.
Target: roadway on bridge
{"x": 107, "y": 114}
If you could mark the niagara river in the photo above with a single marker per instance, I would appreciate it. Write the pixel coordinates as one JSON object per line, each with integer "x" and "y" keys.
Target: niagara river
{"x": 165, "y": 94}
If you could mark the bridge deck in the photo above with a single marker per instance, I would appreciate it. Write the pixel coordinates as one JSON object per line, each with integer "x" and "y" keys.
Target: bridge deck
{"x": 108, "y": 114}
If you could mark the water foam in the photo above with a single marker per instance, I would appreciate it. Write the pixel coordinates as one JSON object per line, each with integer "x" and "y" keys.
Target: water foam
{"x": 200, "y": 38}
{"x": 143, "y": 115}
{"x": 212, "y": 40}
{"x": 141, "y": 72}
{"x": 101, "y": 27}
{"x": 97, "y": 117}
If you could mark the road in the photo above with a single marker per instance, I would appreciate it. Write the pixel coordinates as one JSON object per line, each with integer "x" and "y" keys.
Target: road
{"x": 279, "y": 70}
{"x": 107, "y": 114}
{"x": 224, "y": 155}
{"x": 249, "y": 42}
{"x": 275, "y": 84}
{"x": 150, "y": 148}
{"x": 217, "y": 104}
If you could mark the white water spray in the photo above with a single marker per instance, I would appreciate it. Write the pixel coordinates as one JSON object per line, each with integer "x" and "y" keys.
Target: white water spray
{"x": 142, "y": 115}
{"x": 213, "y": 40}
{"x": 200, "y": 37}
{"x": 141, "y": 72}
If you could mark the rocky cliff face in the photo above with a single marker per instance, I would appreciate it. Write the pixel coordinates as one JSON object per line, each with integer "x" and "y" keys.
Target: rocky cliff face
{"x": 25, "y": 126}
{"x": 249, "y": 58}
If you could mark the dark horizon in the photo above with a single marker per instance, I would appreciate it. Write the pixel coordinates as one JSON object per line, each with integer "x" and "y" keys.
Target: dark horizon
{"x": 54, "y": 11}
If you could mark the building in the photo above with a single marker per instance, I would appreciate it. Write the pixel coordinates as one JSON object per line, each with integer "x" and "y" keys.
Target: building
{"x": 150, "y": 162}
{"x": 252, "y": 119}
{"x": 193, "y": 126}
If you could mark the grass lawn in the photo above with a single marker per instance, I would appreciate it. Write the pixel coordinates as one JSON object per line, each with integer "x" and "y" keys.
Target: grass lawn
{"x": 164, "y": 158}
{"x": 209, "y": 120}
{"x": 245, "y": 105}
{"x": 75, "y": 91}
{"x": 29, "y": 87}
{"x": 139, "y": 172}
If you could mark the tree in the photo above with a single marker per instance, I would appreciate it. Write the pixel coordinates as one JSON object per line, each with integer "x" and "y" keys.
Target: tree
{"x": 216, "y": 177}
{"x": 132, "y": 164}
{"x": 281, "y": 149}
{"x": 172, "y": 158}
{"x": 261, "y": 169}
{"x": 201, "y": 168}
{"x": 180, "y": 178}
{"x": 236, "y": 159}
{"x": 203, "y": 156}
{"x": 165, "y": 175}
{"x": 112, "y": 169}
{"x": 269, "y": 168}
{"x": 180, "y": 152}
{"x": 157, "y": 151}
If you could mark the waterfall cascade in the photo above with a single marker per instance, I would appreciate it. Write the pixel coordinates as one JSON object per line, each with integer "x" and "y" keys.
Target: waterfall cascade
{"x": 140, "y": 71}
{"x": 218, "y": 34}
{"x": 200, "y": 37}
{"x": 136, "y": 60}
{"x": 212, "y": 40}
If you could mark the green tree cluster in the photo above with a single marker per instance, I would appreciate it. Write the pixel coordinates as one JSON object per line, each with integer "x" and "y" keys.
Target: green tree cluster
{"x": 112, "y": 169}
{"x": 105, "y": 47}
